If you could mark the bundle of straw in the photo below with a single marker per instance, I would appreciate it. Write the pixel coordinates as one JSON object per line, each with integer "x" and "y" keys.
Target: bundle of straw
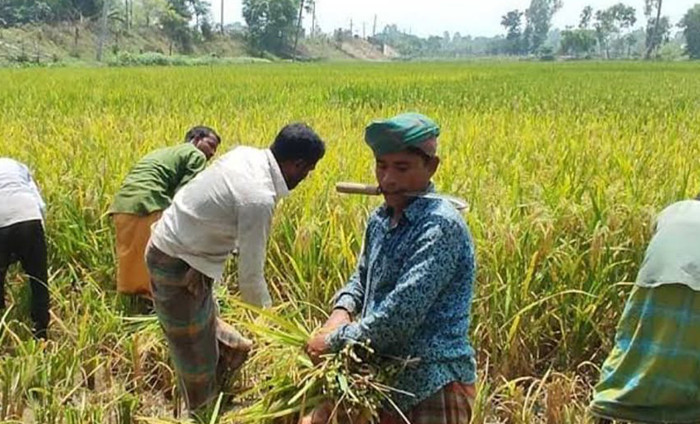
{"x": 353, "y": 384}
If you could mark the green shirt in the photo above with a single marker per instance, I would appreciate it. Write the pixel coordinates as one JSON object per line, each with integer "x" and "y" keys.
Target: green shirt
{"x": 153, "y": 181}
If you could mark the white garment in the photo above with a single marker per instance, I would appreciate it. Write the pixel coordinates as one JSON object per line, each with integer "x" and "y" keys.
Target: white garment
{"x": 673, "y": 255}
{"x": 229, "y": 205}
{"x": 20, "y": 199}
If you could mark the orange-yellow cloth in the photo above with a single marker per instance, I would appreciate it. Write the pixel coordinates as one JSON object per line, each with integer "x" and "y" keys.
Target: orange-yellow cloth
{"x": 133, "y": 232}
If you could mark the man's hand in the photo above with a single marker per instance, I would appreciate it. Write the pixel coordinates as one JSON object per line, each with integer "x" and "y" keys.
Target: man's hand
{"x": 338, "y": 317}
{"x": 320, "y": 415}
{"x": 316, "y": 346}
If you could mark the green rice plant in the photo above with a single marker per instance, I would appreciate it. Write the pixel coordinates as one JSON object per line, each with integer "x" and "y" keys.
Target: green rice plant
{"x": 564, "y": 166}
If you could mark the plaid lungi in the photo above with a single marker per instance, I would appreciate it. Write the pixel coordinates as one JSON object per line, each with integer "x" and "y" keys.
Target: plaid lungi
{"x": 652, "y": 375}
{"x": 187, "y": 313}
{"x": 450, "y": 405}
{"x": 132, "y": 232}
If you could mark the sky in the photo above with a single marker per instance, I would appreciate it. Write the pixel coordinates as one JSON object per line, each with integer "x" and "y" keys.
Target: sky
{"x": 434, "y": 17}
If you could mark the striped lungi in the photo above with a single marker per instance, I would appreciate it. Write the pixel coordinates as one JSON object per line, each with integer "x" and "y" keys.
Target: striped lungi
{"x": 187, "y": 313}
{"x": 652, "y": 375}
{"x": 450, "y": 405}
{"x": 133, "y": 232}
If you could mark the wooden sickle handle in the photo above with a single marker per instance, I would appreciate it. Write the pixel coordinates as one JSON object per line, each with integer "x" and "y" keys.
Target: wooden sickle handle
{"x": 356, "y": 188}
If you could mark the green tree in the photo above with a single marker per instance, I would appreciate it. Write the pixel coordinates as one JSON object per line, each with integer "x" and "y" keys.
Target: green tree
{"x": 613, "y": 21}
{"x": 207, "y": 28}
{"x": 86, "y": 8}
{"x": 271, "y": 24}
{"x": 19, "y": 12}
{"x": 624, "y": 17}
{"x": 181, "y": 8}
{"x": 200, "y": 9}
{"x": 578, "y": 42}
{"x": 586, "y": 16}
{"x": 175, "y": 24}
{"x": 151, "y": 11}
{"x": 73, "y": 10}
{"x": 657, "y": 34}
{"x": 539, "y": 20}
{"x": 604, "y": 26}
{"x": 512, "y": 23}
{"x": 691, "y": 30}
{"x": 653, "y": 25}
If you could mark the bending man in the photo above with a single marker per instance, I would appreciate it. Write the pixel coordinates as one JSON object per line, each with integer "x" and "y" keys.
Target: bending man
{"x": 228, "y": 206}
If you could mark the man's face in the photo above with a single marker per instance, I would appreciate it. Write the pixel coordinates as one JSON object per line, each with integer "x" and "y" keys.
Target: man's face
{"x": 403, "y": 172}
{"x": 207, "y": 144}
{"x": 296, "y": 171}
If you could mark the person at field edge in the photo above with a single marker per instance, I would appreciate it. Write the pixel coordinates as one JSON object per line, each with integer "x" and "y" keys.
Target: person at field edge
{"x": 147, "y": 190}
{"x": 652, "y": 374}
{"x": 228, "y": 206}
{"x": 411, "y": 292}
{"x": 22, "y": 238}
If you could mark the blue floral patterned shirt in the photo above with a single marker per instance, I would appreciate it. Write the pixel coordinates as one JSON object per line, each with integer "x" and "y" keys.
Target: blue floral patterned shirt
{"x": 411, "y": 296}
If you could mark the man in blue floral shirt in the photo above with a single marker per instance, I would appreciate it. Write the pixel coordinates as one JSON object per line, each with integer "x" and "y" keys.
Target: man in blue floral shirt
{"x": 411, "y": 293}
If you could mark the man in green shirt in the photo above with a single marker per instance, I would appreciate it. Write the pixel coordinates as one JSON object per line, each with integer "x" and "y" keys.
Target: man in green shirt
{"x": 147, "y": 190}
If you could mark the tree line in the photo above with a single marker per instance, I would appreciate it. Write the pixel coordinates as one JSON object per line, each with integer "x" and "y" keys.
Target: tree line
{"x": 608, "y": 33}
{"x": 276, "y": 26}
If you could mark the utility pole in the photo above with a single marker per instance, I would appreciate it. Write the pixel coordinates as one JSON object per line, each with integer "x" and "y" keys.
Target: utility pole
{"x": 222, "y": 17}
{"x": 103, "y": 31}
{"x": 374, "y": 26}
{"x": 350, "y": 27}
{"x": 363, "y": 31}
{"x": 655, "y": 31}
{"x": 296, "y": 38}
{"x": 126, "y": 14}
{"x": 313, "y": 19}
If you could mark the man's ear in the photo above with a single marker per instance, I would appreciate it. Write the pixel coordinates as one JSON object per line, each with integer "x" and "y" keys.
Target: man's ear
{"x": 433, "y": 165}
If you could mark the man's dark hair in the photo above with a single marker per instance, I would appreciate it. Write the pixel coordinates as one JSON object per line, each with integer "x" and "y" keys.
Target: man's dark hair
{"x": 199, "y": 132}
{"x": 298, "y": 141}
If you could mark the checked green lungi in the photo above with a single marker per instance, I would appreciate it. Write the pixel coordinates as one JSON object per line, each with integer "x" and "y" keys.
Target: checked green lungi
{"x": 652, "y": 375}
{"x": 185, "y": 307}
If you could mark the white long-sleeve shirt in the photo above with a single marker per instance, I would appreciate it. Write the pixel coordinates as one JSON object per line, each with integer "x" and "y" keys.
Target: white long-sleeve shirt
{"x": 20, "y": 199}
{"x": 229, "y": 205}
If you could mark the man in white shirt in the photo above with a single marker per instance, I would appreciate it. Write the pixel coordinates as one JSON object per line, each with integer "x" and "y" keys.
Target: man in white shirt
{"x": 227, "y": 206}
{"x": 22, "y": 237}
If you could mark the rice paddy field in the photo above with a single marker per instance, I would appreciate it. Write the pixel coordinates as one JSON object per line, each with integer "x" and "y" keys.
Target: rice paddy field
{"x": 564, "y": 166}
